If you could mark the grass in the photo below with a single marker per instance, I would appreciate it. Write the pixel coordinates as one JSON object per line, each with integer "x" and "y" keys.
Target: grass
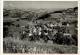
{"x": 19, "y": 46}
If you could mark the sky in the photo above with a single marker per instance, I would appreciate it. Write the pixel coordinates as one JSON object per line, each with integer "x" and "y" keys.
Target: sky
{"x": 40, "y": 4}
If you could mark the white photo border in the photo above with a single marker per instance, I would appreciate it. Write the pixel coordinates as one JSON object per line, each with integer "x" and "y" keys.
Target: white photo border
{"x": 1, "y": 26}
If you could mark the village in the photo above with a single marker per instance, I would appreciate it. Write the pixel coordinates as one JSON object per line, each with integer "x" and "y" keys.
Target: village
{"x": 35, "y": 28}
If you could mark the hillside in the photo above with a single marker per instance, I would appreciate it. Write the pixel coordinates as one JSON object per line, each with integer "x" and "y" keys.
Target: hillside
{"x": 56, "y": 30}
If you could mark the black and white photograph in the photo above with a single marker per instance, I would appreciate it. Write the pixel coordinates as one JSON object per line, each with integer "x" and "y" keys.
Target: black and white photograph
{"x": 40, "y": 27}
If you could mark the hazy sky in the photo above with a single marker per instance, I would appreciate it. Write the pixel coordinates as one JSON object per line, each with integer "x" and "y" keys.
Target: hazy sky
{"x": 39, "y": 4}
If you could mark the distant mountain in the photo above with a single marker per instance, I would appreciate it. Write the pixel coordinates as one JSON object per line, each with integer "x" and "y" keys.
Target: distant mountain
{"x": 65, "y": 14}
{"x": 37, "y": 14}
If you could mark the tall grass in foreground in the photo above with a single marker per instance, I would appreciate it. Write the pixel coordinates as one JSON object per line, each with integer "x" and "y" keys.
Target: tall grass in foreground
{"x": 17, "y": 46}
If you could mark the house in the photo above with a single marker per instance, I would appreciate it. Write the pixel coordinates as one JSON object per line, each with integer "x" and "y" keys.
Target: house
{"x": 67, "y": 34}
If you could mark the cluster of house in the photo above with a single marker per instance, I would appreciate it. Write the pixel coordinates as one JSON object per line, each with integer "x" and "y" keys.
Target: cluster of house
{"x": 48, "y": 30}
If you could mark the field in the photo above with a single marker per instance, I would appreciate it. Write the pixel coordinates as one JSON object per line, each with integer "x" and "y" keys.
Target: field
{"x": 18, "y": 46}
